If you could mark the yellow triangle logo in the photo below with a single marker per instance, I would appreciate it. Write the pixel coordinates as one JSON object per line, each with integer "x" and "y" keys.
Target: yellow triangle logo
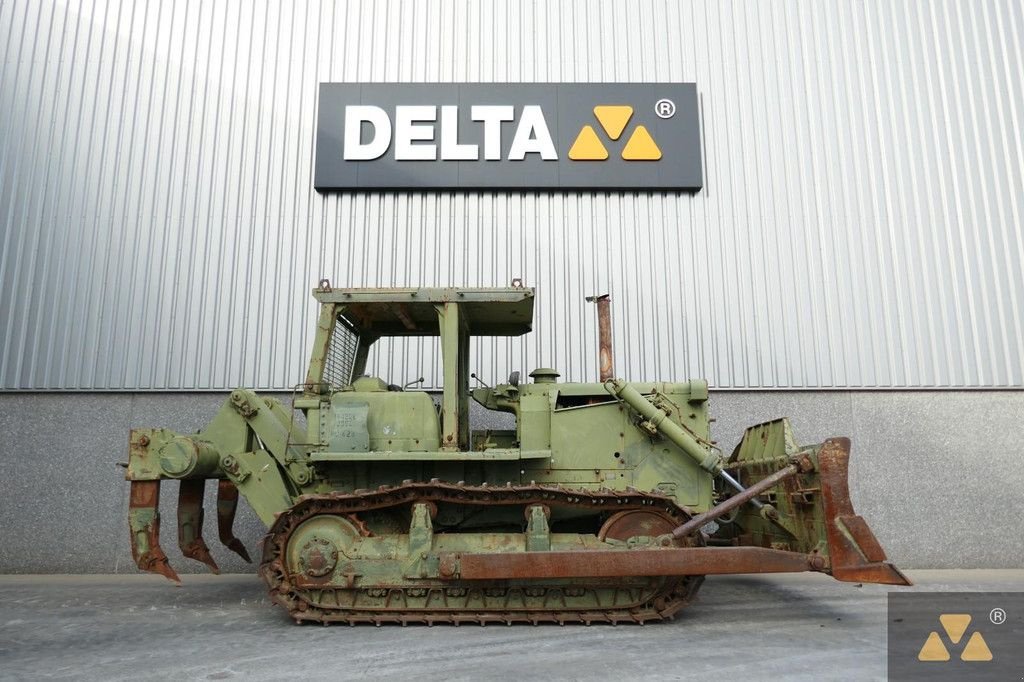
{"x": 641, "y": 146}
{"x": 976, "y": 649}
{"x": 613, "y": 118}
{"x": 955, "y": 625}
{"x": 933, "y": 649}
{"x": 588, "y": 147}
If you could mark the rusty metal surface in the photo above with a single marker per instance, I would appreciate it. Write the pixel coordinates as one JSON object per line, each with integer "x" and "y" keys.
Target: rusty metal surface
{"x": 639, "y": 562}
{"x": 144, "y": 525}
{"x": 227, "y": 505}
{"x": 448, "y": 601}
{"x": 736, "y": 500}
{"x": 855, "y": 553}
{"x": 627, "y": 524}
{"x": 190, "y": 523}
{"x": 419, "y": 601}
{"x": 604, "y": 335}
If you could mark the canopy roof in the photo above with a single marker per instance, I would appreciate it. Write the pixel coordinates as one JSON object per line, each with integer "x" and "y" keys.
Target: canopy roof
{"x": 506, "y": 311}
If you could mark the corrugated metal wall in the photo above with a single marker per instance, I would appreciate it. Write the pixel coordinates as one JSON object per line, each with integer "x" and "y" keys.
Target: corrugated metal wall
{"x": 860, "y": 224}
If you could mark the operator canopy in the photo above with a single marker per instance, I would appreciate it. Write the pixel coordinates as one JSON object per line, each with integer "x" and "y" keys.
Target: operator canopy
{"x": 501, "y": 311}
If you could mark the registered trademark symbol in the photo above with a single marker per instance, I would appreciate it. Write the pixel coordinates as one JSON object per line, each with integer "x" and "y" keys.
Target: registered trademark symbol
{"x": 665, "y": 108}
{"x": 997, "y": 616}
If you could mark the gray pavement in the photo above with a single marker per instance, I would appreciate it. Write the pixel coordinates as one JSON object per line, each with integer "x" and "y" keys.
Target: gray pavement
{"x": 222, "y": 627}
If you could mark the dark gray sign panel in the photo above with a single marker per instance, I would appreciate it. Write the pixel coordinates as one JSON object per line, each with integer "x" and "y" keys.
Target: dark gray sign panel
{"x": 508, "y": 136}
{"x": 957, "y": 636}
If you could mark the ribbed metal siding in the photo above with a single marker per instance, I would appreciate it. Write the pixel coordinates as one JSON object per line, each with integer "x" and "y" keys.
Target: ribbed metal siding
{"x": 860, "y": 224}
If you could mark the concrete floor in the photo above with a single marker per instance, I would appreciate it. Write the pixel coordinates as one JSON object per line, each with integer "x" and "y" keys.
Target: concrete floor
{"x": 222, "y": 627}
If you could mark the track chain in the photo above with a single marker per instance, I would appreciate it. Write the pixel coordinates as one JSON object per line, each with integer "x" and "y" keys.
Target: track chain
{"x": 662, "y": 600}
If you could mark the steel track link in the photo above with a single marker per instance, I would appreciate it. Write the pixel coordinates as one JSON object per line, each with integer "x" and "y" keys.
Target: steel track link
{"x": 302, "y": 605}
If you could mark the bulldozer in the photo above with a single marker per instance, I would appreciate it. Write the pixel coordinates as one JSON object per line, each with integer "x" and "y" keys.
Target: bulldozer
{"x": 607, "y": 503}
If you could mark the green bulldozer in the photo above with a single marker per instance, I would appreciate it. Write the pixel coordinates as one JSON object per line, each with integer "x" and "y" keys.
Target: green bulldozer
{"x": 608, "y": 501}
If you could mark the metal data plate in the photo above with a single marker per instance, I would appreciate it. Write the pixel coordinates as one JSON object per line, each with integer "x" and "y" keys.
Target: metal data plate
{"x": 348, "y": 431}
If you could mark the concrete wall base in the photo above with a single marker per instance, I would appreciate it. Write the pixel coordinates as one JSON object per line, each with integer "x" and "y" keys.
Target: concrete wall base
{"x": 938, "y": 474}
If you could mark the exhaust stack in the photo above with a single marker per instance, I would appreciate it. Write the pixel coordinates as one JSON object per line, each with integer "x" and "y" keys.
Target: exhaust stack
{"x": 604, "y": 334}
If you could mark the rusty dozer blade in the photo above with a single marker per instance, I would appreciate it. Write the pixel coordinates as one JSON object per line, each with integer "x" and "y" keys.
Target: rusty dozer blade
{"x": 190, "y": 522}
{"x": 144, "y": 524}
{"x": 227, "y": 504}
{"x": 854, "y": 551}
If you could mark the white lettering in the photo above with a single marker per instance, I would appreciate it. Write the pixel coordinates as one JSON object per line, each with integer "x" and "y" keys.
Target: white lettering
{"x": 406, "y": 132}
{"x": 492, "y": 116}
{"x": 532, "y": 136}
{"x": 451, "y": 150}
{"x": 380, "y": 140}
{"x": 414, "y": 125}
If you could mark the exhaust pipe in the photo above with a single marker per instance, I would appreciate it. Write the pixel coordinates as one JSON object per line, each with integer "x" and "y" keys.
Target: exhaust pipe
{"x": 604, "y": 334}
